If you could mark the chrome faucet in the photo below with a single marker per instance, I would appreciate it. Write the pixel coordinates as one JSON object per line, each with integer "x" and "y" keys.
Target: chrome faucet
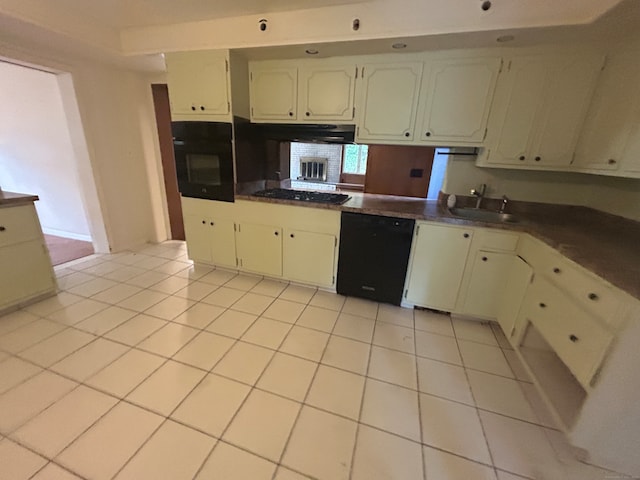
{"x": 479, "y": 194}
{"x": 503, "y": 206}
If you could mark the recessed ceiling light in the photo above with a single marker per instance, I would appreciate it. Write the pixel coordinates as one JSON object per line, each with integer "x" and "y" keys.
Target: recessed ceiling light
{"x": 311, "y": 51}
{"x": 505, "y": 38}
{"x": 399, "y": 46}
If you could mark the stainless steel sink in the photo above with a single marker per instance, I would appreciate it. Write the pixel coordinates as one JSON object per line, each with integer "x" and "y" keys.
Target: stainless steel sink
{"x": 480, "y": 215}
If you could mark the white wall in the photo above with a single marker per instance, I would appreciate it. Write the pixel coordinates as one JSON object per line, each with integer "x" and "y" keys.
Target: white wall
{"x": 36, "y": 153}
{"x": 114, "y": 138}
{"x": 619, "y": 196}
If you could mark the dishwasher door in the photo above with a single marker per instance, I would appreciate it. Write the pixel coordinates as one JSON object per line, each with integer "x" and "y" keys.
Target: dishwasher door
{"x": 373, "y": 256}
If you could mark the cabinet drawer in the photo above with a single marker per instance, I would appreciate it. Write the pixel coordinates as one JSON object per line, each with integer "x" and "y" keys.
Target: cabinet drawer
{"x": 588, "y": 290}
{"x": 577, "y": 337}
{"x": 18, "y": 224}
{"x": 496, "y": 240}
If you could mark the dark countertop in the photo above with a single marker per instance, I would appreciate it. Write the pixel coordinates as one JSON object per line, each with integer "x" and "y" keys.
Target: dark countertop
{"x": 605, "y": 244}
{"x": 13, "y": 198}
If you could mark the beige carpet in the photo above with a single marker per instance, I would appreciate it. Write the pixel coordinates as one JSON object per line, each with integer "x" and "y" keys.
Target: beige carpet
{"x": 64, "y": 250}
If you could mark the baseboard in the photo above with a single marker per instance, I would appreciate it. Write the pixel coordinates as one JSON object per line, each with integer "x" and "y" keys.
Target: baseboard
{"x": 62, "y": 233}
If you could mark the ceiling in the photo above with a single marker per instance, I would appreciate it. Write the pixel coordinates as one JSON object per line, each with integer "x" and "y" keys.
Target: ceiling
{"x": 119, "y": 14}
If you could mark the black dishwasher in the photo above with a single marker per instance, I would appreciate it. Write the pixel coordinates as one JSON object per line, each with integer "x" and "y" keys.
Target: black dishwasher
{"x": 373, "y": 257}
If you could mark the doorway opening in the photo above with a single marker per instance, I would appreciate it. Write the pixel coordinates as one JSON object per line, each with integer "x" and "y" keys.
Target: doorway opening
{"x": 37, "y": 157}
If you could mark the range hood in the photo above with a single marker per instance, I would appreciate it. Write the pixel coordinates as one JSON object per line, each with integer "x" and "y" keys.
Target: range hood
{"x": 312, "y": 133}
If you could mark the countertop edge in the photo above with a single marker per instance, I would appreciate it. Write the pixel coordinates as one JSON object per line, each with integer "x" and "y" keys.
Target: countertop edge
{"x": 13, "y": 198}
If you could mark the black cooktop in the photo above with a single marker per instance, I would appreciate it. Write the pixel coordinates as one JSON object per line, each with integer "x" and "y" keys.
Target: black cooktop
{"x": 304, "y": 196}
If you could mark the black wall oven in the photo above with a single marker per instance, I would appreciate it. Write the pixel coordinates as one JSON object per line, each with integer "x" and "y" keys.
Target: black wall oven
{"x": 204, "y": 159}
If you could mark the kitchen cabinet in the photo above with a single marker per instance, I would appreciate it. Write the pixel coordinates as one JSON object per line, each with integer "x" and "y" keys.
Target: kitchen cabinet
{"x": 198, "y": 85}
{"x": 610, "y": 139}
{"x": 273, "y": 92}
{"x": 27, "y": 273}
{"x": 539, "y": 109}
{"x": 299, "y": 92}
{"x": 455, "y": 100}
{"x": 388, "y": 102}
{"x": 327, "y": 93}
{"x": 259, "y": 248}
{"x": 210, "y": 240}
{"x": 518, "y": 278}
{"x": 489, "y": 278}
{"x": 438, "y": 258}
{"x": 308, "y": 257}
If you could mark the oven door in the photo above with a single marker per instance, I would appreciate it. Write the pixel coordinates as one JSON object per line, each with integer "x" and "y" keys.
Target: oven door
{"x": 204, "y": 166}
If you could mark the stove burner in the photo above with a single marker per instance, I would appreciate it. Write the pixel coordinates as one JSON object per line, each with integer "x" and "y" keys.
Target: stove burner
{"x": 303, "y": 196}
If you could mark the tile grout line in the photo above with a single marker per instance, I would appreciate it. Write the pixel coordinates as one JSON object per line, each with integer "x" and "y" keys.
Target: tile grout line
{"x": 422, "y": 442}
{"x": 364, "y": 392}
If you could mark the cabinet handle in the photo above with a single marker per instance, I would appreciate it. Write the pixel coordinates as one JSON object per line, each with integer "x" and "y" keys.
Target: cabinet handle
{"x": 193, "y": 108}
{"x": 466, "y": 235}
{"x": 573, "y": 338}
{"x": 542, "y": 305}
{"x": 291, "y": 114}
{"x": 211, "y": 223}
{"x": 521, "y": 157}
{"x": 307, "y": 114}
{"x": 2, "y": 228}
{"x": 202, "y": 107}
{"x": 593, "y": 296}
{"x": 275, "y": 233}
{"x": 611, "y": 161}
{"x": 292, "y": 235}
{"x": 484, "y": 259}
{"x": 406, "y": 134}
{"x": 556, "y": 270}
{"x": 428, "y": 134}
{"x": 537, "y": 159}
{"x": 204, "y": 222}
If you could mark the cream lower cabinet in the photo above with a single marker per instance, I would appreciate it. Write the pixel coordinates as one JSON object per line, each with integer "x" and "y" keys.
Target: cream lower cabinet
{"x": 210, "y": 240}
{"x": 26, "y": 273}
{"x": 259, "y": 248}
{"x": 436, "y": 267}
{"x": 489, "y": 278}
{"x": 309, "y": 257}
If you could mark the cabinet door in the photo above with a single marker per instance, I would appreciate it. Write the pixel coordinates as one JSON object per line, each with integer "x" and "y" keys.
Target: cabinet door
{"x": 631, "y": 154}
{"x": 223, "y": 242}
{"x": 309, "y": 257}
{"x": 437, "y": 265}
{"x": 26, "y": 272}
{"x": 388, "y": 101}
{"x": 326, "y": 93}
{"x": 259, "y": 248}
{"x": 274, "y": 93}
{"x": 197, "y": 232}
{"x": 489, "y": 278}
{"x": 610, "y": 116}
{"x": 457, "y": 95}
{"x": 198, "y": 83}
{"x": 570, "y": 85}
{"x": 515, "y": 109}
{"x": 519, "y": 275}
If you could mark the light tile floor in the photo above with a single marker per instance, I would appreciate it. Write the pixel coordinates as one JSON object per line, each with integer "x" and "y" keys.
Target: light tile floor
{"x": 147, "y": 367}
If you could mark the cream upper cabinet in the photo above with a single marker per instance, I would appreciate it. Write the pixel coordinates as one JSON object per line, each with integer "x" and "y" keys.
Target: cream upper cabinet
{"x": 438, "y": 258}
{"x": 259, "y": 248}
{"x": 198, "y": 85}
{"x": 388, "y": 101}
{"x": 309, "y": 257}
{"x": 274, "y": 92}
{"x": 539, "y": 110}
{"x": 455, "y": 100}
{"x": 610, "y": 140}
{"x": 326, "y": 93}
